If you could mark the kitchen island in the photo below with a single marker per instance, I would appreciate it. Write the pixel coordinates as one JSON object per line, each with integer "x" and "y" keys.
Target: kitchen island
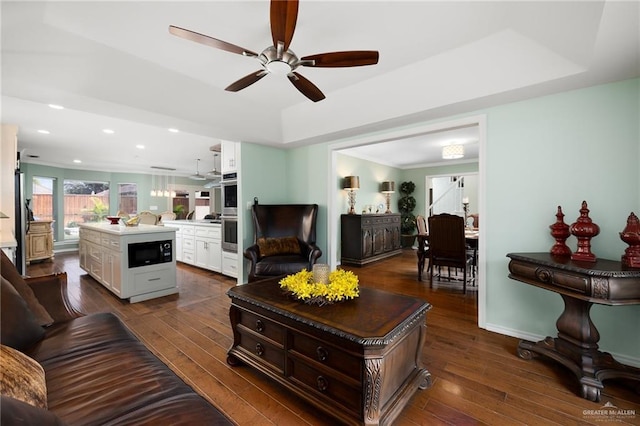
{"x": 136, "y": 263}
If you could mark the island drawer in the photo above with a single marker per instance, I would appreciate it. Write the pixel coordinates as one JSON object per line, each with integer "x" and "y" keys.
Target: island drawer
{"x": 328, "y": 355}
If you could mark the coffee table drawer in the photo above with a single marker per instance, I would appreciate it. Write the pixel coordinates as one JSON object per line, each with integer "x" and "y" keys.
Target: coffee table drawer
{"x": 328, "y": 355}
{"x": 262, "y": 350}
{"x": 262, "y": 326}
{"x": 324, "y": 383}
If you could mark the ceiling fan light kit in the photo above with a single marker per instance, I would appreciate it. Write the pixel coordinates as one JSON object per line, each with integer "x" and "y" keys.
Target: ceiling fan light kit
{"x": 278, "y": 59}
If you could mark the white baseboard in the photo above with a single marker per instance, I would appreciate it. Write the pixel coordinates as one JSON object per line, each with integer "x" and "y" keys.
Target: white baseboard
{"x": 624, "y": 359}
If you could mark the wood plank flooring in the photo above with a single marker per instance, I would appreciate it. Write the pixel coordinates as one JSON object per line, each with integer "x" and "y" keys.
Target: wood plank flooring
{"x": 477, "y": 377}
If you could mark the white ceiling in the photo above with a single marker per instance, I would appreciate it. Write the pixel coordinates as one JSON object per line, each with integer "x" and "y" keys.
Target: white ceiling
{"x": 115, "y": 65}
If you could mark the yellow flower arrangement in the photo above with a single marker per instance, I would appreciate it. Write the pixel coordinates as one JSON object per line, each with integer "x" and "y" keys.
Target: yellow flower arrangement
{"x": 342, "y": 285}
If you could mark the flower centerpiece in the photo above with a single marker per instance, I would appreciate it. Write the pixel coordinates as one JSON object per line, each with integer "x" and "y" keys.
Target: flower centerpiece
{"x": 342, "y": 285}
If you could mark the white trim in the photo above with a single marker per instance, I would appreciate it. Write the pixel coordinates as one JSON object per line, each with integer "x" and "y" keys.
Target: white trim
{"x": 333, "y": 215}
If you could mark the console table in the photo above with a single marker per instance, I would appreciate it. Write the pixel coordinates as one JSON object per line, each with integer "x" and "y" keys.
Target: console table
{"x": 580, "y": 284}
{"x": 357, "y": 360}
{"x": 369, "y": 237}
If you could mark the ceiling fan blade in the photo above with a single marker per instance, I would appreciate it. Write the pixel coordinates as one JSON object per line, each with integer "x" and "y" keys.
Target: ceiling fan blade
{"x": 209, "y": 41}
{"x": 284, "y": 14}
{"x": 353, "y": 58}
{"x": 246, "y": 81}
{"x": 306, "y": 87}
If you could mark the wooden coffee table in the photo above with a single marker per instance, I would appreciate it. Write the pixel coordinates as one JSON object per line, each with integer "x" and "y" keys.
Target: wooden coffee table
{"x": 357, "y": 360}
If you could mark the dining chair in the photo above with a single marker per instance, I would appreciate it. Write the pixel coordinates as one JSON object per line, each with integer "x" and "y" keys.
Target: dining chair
{"x": 164, "y": 216}
{"x": 148, "y": 218}
{"x": 447, "y": 245}
{"x": 423, "y": 245}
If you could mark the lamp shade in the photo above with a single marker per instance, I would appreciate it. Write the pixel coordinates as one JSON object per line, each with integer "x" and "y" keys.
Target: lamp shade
{"x": 351, "y": 182}
{"x": 451, "y": 152}
{"x": 388, "y": 187}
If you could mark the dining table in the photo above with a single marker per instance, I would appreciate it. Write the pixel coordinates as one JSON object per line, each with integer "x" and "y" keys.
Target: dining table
{"x": 471, "y": 236}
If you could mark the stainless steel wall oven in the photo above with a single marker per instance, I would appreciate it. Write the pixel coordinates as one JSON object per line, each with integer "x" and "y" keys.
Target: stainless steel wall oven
{"x": 230, "y": 234}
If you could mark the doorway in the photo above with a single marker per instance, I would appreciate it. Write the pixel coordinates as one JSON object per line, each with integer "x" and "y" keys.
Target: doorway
{"x": 336, "y": 196}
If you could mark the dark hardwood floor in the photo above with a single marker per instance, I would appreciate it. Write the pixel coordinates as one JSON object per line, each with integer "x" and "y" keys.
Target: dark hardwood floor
{"x": 477, "y": 376}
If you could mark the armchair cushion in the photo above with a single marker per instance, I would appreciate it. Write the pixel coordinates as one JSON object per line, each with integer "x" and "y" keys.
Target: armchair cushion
{"x": 22, "y": 378}
{"x": 10, "y": 273}
{"x": 278, "y": 246}
{"x": 19, "y": 327}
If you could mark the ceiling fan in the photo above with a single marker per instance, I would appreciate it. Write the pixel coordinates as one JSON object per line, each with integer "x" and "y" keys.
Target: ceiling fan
{"x": 278, "y": 59}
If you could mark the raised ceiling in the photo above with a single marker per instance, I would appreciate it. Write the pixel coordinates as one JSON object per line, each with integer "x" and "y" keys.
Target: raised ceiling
{"x": 115, "y": 65}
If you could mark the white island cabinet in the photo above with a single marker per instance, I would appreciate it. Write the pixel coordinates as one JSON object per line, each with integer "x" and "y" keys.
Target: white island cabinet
{"x": 136, "y": 263}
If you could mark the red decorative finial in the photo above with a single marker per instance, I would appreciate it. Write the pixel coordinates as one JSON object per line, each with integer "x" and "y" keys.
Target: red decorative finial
{"x": 631, "y": 235}
{"x": 584, "y": 229}
{"x": 560, "y": 231}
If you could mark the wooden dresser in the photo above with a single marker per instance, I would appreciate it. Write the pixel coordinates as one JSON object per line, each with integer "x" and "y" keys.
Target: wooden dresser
{"x": 358, "y": 360}
{"x": 39, "y": 241}
{"x": 369, "y": 237}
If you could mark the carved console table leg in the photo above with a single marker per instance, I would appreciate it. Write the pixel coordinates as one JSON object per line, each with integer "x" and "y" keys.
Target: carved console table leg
{"x": 576, "y": 347}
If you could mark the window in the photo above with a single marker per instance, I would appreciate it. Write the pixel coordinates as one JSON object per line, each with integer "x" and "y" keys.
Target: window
{"x": 127, "y": 198}
{"x": 84, "y": 202}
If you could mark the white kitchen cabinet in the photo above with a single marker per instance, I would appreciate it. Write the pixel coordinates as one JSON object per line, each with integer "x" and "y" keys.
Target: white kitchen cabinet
{"x": 230, "y": 156}
{"x": 230, "y": 264}
{"x": 201, "y": 245}
{"x": 208, "y": 248}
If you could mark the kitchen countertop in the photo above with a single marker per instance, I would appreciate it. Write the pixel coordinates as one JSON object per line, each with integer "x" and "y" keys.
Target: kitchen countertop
{"x": 205, "y": 222}
{"x": 126, "y": 230}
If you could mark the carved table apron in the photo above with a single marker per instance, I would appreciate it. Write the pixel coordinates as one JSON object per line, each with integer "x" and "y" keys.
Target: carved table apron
{"x": 357, "y": 360}
{"x": 580, "y": 284}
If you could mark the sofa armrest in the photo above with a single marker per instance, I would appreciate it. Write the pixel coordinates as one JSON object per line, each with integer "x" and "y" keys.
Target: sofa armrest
{"x": 51, "y": 292}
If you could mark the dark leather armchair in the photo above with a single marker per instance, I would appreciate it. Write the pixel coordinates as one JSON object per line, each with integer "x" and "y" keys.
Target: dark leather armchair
{"x": 284, "y": 240}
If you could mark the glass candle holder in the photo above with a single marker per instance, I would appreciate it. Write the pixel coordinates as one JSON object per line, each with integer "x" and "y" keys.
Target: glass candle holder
{"x": 321, "y": 273}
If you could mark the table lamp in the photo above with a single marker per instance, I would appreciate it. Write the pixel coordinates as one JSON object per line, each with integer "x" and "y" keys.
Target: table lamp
{"x": 388, "y": 188}
{"x": 351, "y": 184}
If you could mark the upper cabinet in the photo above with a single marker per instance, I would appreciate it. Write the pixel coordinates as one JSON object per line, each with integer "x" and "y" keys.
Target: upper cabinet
{"x": 230, "y": 156}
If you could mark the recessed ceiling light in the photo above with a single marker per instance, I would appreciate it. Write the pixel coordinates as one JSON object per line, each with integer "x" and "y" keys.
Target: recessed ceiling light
{"x": 54, "y": 106}
{"x": 139, "y": 146}
{"x": 77, "y": 161}
{"x": 44, "y": 132}
{"x": 108, "y": 131}
{"x": 172, "y": 130}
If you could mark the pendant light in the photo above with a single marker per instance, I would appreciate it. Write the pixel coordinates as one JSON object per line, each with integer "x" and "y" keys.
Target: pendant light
{"x": 197, "y": 176}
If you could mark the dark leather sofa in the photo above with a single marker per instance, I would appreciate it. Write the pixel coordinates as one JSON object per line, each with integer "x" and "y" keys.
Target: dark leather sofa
{"x": 284, "y": 240}
{"x": 97, "y": 372}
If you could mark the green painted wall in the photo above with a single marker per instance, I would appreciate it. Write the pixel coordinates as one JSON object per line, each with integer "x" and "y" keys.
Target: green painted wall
{"x": 561, "y": 150}
{"x": 541, "y": 153}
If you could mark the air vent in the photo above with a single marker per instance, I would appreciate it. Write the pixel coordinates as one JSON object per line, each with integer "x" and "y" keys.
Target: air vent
{"x": 163, "y": 168}
{"x": 33, "y": 156}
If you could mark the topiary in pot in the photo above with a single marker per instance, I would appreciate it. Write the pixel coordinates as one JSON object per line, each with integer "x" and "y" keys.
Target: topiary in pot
{"x": 406, "y": 204}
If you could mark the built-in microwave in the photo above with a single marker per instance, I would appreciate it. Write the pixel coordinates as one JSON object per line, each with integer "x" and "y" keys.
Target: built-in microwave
{"x": 229, "y": 198}
{"x": 150, "y": 253}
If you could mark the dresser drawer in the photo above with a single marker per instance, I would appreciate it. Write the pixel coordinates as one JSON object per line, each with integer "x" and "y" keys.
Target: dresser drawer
{"x": 323, "y": 383}
{"x": 262, "y": 326}
{"x": 330, "y": 356}
{"x": 262, "y": 350}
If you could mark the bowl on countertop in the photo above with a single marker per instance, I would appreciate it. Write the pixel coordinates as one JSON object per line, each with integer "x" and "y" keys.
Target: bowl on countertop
{"x": 114, "y": 220}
